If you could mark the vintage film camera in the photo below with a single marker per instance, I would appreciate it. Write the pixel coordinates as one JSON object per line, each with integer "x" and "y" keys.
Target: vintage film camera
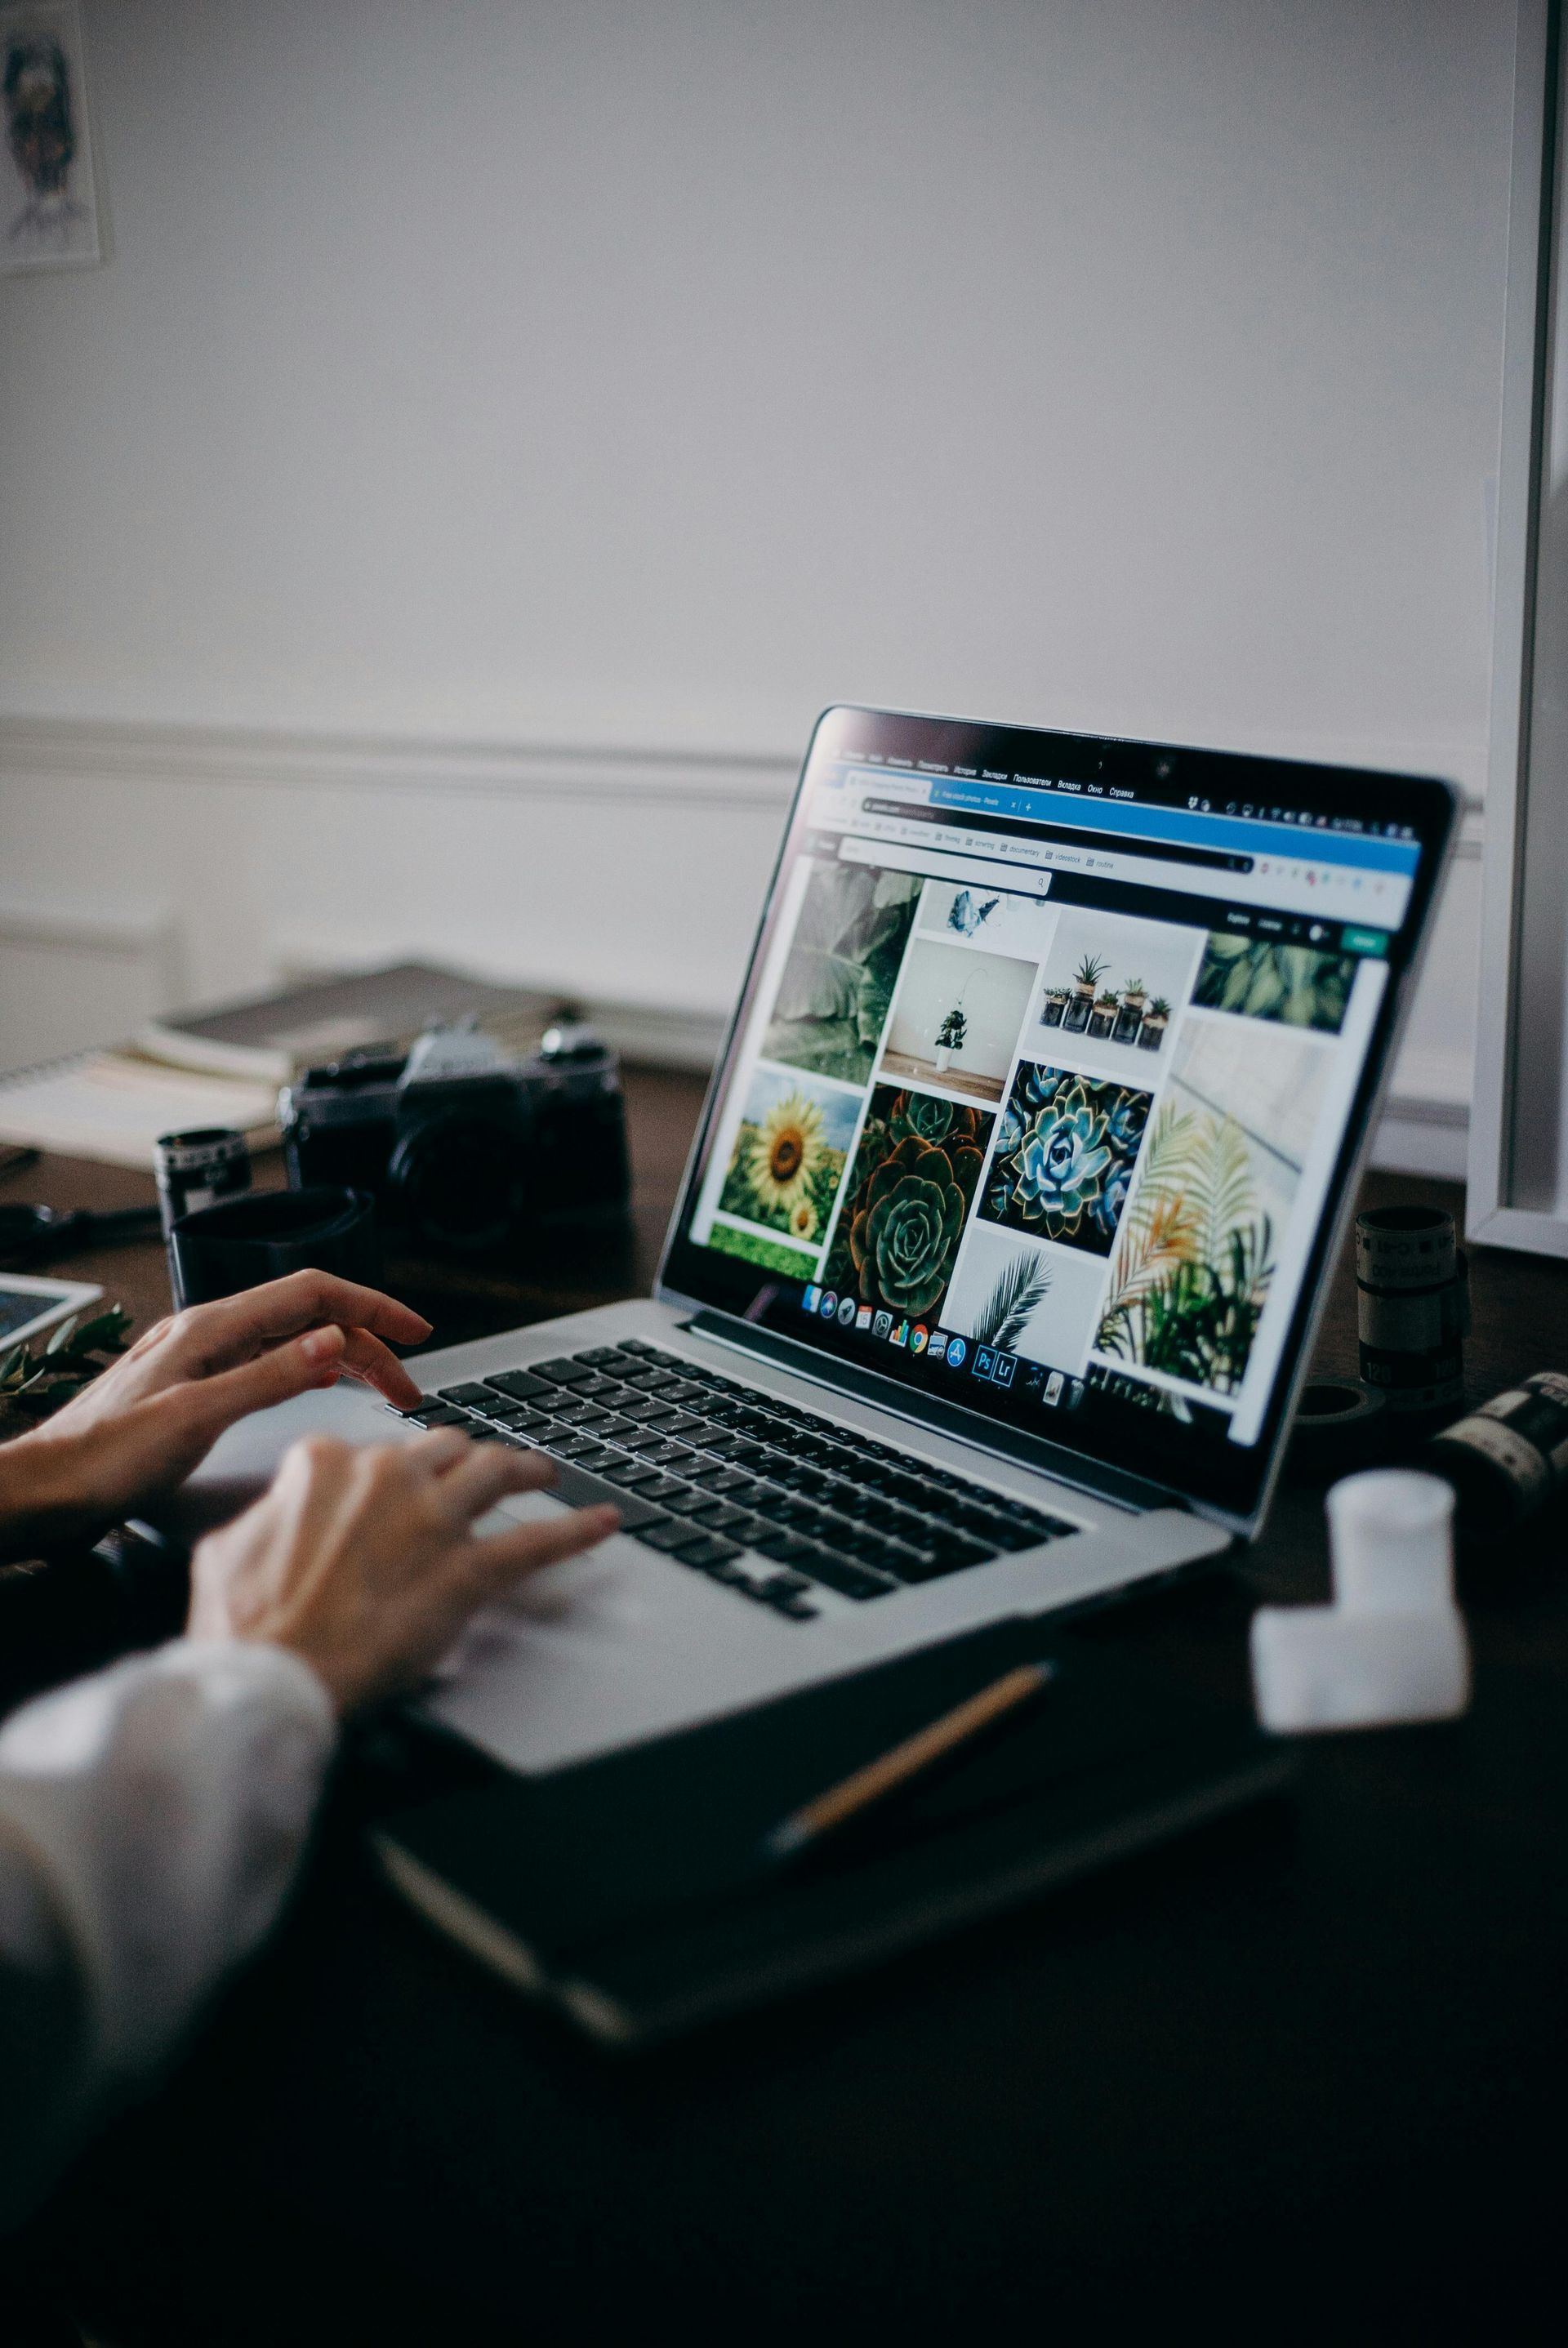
{"x": 468, "y": 1150}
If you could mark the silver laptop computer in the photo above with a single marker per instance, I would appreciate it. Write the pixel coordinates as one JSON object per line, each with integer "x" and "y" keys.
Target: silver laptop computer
{"x": 997, "y": 1260}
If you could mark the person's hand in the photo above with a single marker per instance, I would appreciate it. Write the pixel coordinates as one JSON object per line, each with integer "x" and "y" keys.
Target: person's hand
{"x": 364, "y": 1561}
{"x": 153, "y": 1416}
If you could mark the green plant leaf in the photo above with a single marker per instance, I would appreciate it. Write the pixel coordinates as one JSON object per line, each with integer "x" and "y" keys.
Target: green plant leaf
{"x": 1023, "y": 1286}
{"x": 61, "y": 1337}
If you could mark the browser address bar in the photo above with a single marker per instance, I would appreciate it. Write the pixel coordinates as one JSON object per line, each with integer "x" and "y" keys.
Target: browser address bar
{"x": 939, "y": 865}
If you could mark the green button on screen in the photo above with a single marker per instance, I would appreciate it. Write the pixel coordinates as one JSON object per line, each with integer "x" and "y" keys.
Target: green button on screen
{"x": 1365, "y": 942}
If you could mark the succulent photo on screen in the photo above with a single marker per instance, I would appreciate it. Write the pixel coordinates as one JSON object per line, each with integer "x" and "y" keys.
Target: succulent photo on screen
{"x": 838, "y": 981}
{"x": 909, "y": 1195}
{"x": 787, "y": 1155}
{"x": 1065, "y": 1157}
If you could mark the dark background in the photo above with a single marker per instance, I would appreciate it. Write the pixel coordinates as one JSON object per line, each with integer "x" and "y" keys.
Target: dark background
{"x": 1300, "y": 2076}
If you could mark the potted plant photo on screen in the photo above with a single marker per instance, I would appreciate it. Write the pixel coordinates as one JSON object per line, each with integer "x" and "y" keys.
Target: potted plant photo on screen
{"x": 1129, "y": 1018}
{"x": 1102, "y": 1018}
{"x": 1156, "y": 1020}
{"x": 1053, "y": 1004}
{"x": 950, "y": 1037}
{"x": 1080, "y": 1002}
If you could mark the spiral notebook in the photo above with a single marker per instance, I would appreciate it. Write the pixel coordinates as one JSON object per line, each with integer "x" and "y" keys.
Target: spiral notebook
{"x": 112, "y": 1105}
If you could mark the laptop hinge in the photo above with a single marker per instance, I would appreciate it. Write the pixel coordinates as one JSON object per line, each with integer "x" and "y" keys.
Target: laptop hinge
{"x": 929, "y": 1411}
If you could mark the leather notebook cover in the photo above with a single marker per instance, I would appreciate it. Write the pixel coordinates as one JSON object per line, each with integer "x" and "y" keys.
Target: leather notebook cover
{"x": 626, "y": 1890}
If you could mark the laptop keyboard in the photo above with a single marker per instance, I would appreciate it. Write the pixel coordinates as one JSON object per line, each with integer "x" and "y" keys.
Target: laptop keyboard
{"x": 771, "y": 1500}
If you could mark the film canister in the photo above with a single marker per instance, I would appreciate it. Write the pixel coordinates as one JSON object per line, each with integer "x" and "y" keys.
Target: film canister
{"x": 1412, "y": 1308}
{"x": 1508, "y": 1459}
{"x": 196, "y": 1168}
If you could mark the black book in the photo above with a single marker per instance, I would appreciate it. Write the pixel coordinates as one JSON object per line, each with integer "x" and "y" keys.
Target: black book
{"x": 629, "y": 1891}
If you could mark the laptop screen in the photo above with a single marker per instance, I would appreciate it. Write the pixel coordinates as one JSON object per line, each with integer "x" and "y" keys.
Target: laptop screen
{"x": 1049, "y": 1075}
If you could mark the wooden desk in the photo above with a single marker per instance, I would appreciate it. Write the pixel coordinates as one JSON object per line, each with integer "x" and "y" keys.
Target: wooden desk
{"x": 1297, "y": 2083}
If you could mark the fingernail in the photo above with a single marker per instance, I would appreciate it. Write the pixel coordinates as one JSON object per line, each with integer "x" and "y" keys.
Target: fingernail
{"x": 321, "y": 1345}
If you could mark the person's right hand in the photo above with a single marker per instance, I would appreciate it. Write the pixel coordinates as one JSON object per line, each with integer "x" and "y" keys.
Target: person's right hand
{"x": 364, "y": 1561}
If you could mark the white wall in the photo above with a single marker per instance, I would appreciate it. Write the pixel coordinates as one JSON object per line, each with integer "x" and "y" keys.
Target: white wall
{"x": 573, "y": 378}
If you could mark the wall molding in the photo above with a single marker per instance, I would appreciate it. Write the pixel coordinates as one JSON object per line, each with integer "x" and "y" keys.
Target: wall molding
{"x": 283, "y": 758}
{"x": 1430, "y": 1093}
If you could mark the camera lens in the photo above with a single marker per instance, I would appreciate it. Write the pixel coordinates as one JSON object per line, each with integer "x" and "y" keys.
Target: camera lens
{"x": 459, "y": 1183}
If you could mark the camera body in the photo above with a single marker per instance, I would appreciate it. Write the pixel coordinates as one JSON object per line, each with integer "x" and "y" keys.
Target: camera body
{"x": 467, "y": 1150}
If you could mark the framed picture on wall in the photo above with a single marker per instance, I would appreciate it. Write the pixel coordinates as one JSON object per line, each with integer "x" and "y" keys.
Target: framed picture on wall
{"x": 48, "y": 192}
{"x": 1518, "y": 1170}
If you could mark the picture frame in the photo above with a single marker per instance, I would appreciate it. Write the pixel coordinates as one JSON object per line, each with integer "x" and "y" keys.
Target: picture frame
{"x": 1518, "y": 1154}
{"x": 49, "y": 211}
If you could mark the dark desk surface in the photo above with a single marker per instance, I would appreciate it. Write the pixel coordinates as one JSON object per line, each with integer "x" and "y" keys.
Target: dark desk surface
{"x": 1298, "y": 2077}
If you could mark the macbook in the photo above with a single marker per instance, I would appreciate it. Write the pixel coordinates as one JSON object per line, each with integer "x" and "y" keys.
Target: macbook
{"x": 996, "y": 1264}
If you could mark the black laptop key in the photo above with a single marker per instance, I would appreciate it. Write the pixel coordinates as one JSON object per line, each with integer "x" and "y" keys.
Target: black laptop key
{"x": 844, "y": 1575}
{"x": 688, "y": 1501}
{"x": 724, "y": 1516}
{"x": 472, "y": 1396}
{"x": 664, "y": 1534}
{"x": 438, "y": 1414}
{"x": 665, "y": 1489}
{"x": 629, "y": 1473}
{"x": 503, "y": 1410}
{"x": 671, "y": 1454}
{"x": 705, "y": 1549}
{"x": 646, "y": 1409}
{"x": 573, "y": 1446}
{"x": 568, "y": 1409}
{"x": 784, "y": 1548}
{"x": 605, "y": 1357}
{"x": 522, "y": 1385}
{"x": 1008, "y": 1533}
{"x": 848, "y": 1501}
{"x": 731, "y": 1482}
{"x": 580, "y": 1487}
{"x": 561, "y": 1372}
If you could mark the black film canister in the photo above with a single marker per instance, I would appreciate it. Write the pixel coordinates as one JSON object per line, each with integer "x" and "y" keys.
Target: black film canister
{"x": 194, "y": 1169}
{"x": 1411, "y": 1308}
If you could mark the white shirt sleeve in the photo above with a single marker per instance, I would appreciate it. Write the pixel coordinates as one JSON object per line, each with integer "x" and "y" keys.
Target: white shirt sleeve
{"x": 151, "y": 1817}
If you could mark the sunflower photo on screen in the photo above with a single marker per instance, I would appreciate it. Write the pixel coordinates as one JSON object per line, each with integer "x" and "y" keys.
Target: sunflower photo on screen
{"x": 910, "y": 1192}
{"x": 787, "y": 1157}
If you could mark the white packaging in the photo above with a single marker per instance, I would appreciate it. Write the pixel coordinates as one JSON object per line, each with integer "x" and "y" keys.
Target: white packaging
{"x": 1390, "y": 1536}
{"x": 1328, "y": 1667}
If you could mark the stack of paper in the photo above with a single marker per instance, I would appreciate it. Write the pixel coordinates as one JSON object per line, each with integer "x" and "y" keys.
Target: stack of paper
{"x": 113, "y": 1106}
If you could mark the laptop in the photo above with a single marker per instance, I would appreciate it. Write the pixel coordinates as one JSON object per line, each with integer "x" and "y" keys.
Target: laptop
{"x": 999, "y": 1256}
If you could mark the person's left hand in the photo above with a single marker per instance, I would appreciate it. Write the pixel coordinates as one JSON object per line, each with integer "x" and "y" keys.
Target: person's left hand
{"x": 153, "y": 1416}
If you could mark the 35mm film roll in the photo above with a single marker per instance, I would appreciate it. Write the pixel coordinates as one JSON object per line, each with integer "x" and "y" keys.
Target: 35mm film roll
{"x": 1412, "y": 1308}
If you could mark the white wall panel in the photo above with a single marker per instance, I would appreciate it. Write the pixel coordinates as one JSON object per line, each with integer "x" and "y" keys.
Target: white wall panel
{"x": 632, "y": 382}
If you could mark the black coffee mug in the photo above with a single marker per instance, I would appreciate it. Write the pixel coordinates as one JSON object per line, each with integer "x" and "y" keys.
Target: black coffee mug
{"x": 240, "y": 1242}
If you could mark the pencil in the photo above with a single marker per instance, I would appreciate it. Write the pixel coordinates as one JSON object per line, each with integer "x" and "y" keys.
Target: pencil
{"x": 905, "y": 1761}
